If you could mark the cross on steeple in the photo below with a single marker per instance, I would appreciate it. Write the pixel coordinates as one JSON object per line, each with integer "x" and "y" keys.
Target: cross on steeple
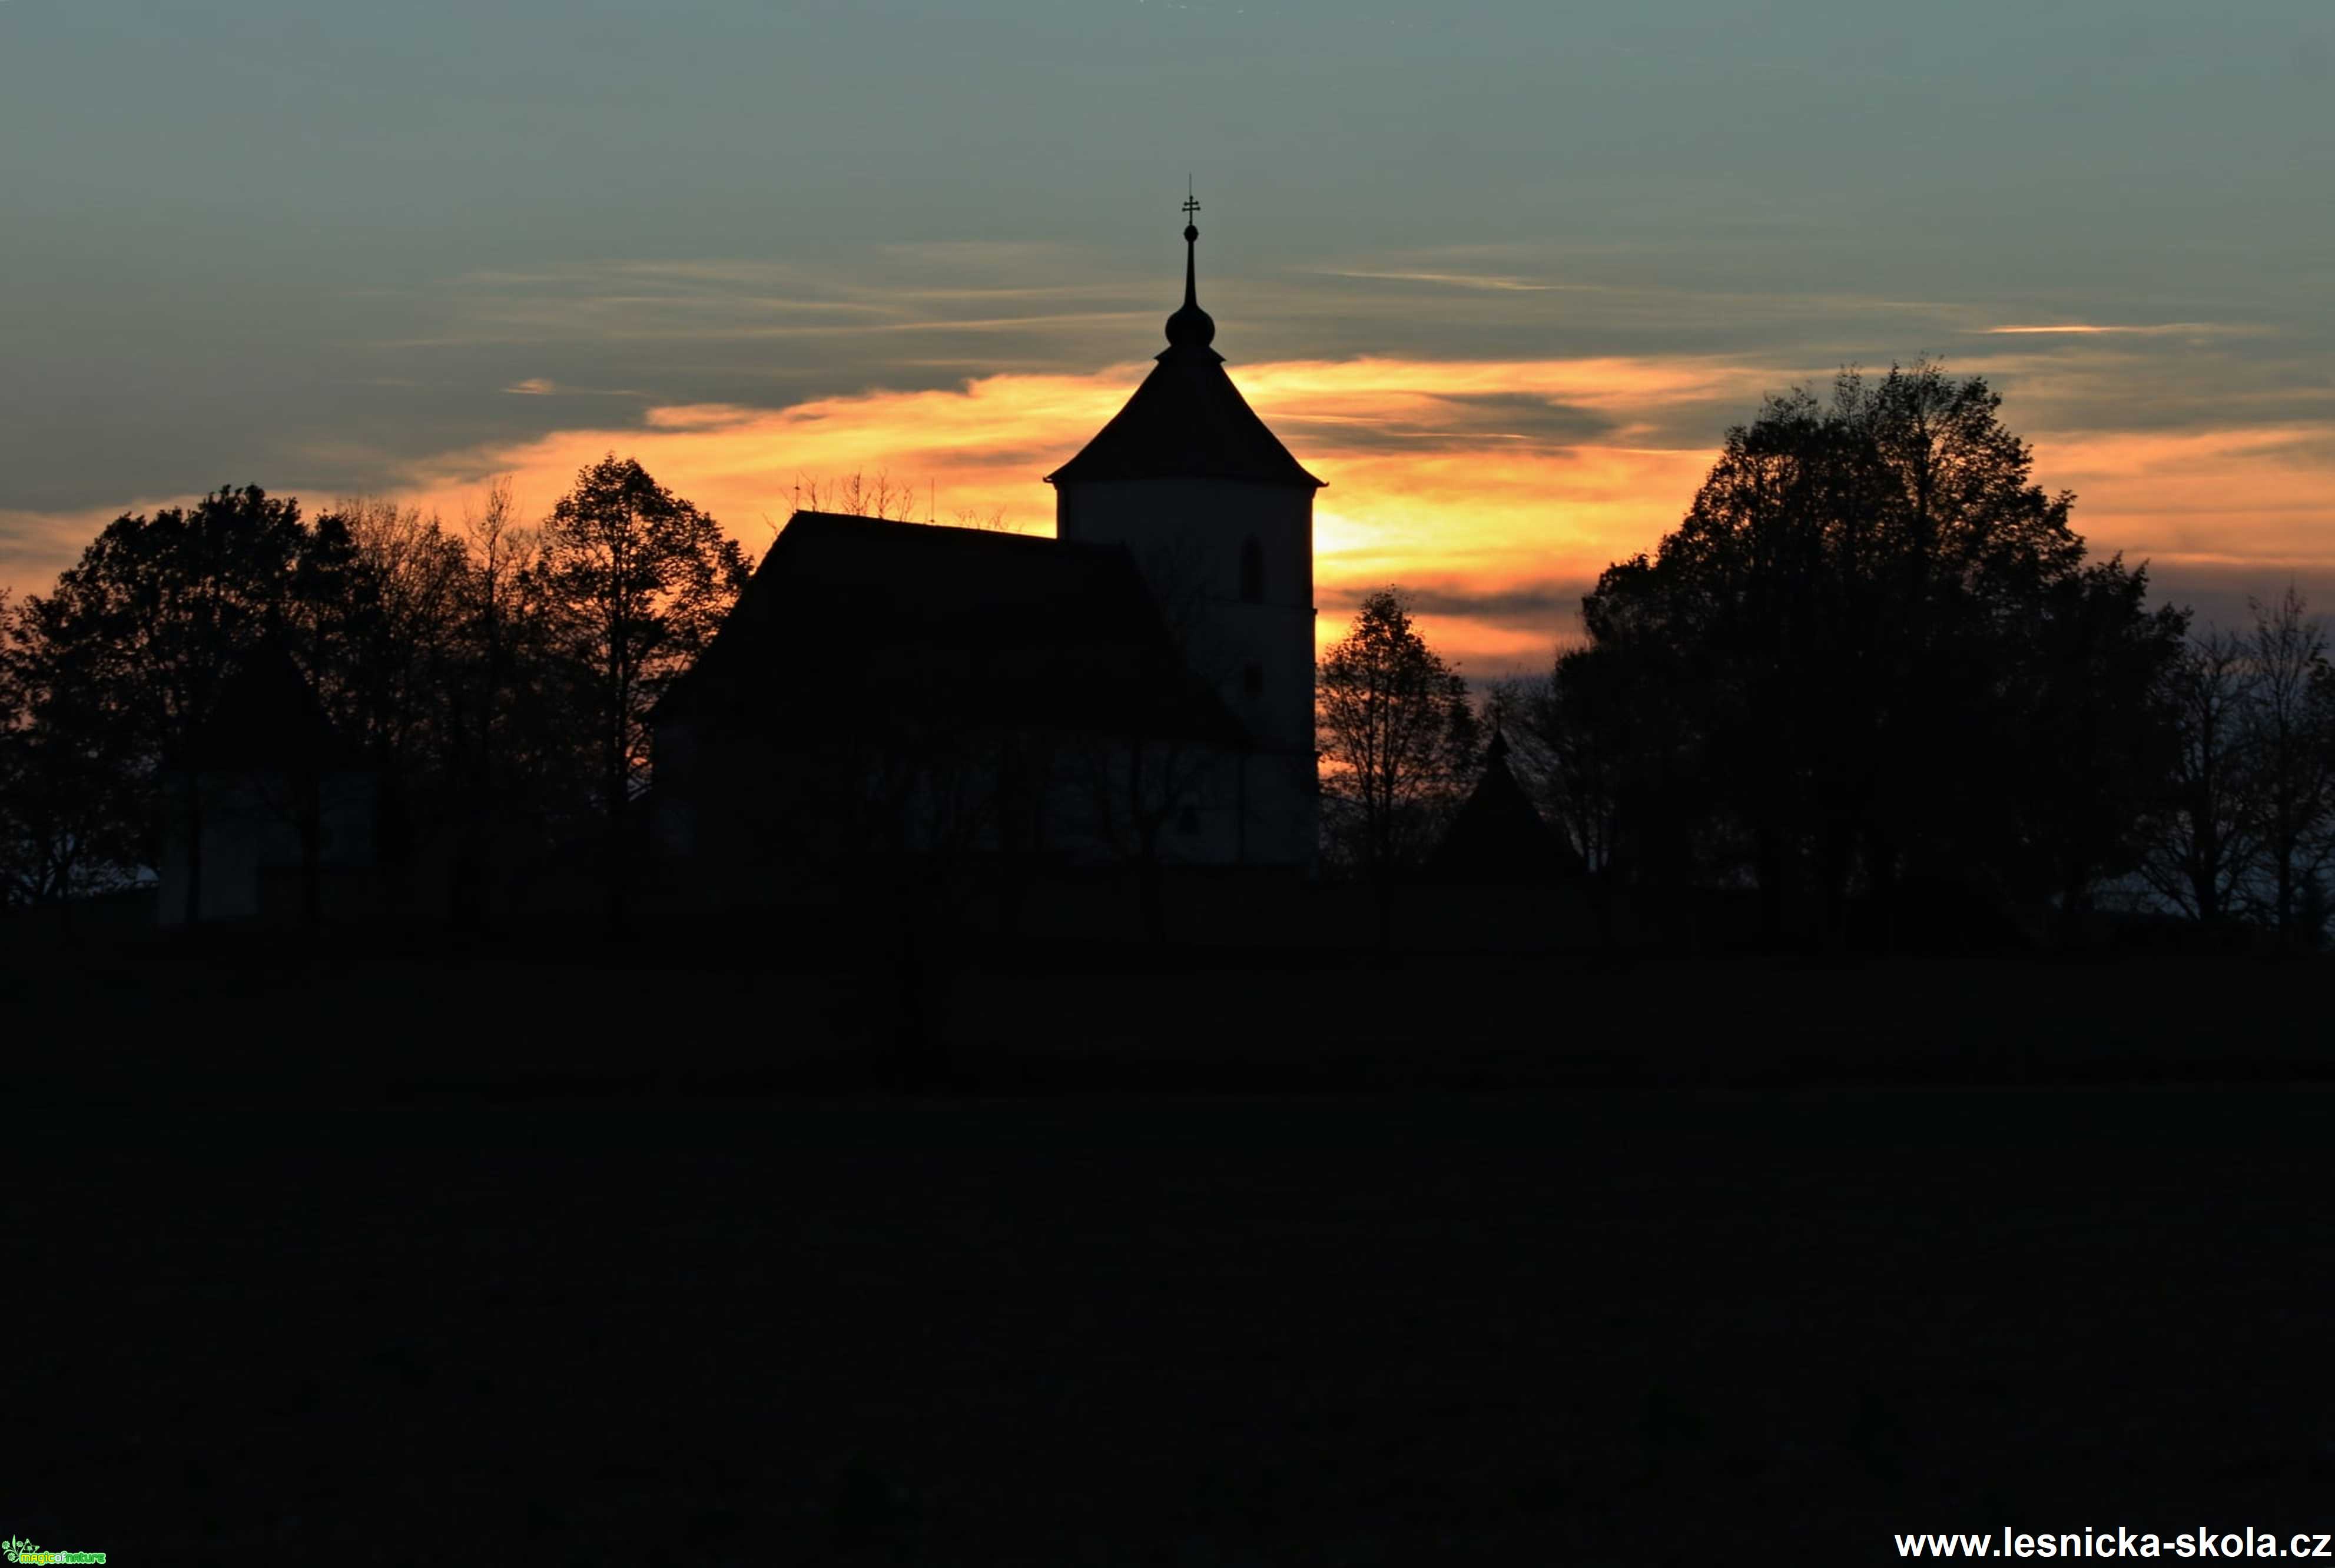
{"x": 1191, "y": 327}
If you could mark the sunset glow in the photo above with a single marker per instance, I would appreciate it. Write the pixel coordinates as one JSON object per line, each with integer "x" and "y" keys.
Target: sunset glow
{"x": 1438, "y": 478}
{"x": 1494, "y": 490}
{"x": 1444, "y": 476}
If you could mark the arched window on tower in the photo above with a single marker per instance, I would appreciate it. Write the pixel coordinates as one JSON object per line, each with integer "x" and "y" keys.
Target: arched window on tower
{"x": 1251, "y": 572}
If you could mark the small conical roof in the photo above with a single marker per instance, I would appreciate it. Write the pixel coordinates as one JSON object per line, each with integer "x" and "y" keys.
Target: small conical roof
{"x": 1497, "y": 836}
{"x": 266, "y": 717}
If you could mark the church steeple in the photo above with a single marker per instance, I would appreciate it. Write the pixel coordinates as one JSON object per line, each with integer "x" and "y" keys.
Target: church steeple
{"x": 1186, "y": 420}
{"x": 1218, "y": 517}
{"x": 1191, "y": 328}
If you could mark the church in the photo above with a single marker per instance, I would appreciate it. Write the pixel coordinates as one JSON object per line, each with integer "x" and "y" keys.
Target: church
{"x": 1136, "y": 691}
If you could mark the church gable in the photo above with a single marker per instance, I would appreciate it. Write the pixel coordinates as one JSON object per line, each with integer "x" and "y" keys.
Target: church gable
{"x": 848, "y": 612}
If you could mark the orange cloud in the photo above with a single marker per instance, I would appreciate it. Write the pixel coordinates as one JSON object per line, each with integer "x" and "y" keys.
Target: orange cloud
{"x": 2262, "y": 495}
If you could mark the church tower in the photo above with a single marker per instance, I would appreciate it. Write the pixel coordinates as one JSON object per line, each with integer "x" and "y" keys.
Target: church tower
{"x": 1220, "y": 518}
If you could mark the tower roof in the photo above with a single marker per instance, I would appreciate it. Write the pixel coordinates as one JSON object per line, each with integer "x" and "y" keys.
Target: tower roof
{"x": 1186, "y": 420}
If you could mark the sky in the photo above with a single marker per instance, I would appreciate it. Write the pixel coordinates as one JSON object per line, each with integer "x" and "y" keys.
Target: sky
{"x": 1503, "y": 274}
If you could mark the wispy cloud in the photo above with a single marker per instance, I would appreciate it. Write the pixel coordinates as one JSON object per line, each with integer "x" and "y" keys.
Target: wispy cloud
{"x": 1532, "y": 607}
{"x": 1461, "y": 280}
{"x": 2158, "y": 329}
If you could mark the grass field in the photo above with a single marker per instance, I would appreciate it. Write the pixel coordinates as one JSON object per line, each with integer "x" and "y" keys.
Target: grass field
{"x": 349, "y": 1021}
{"x": 1608, "y": 1326}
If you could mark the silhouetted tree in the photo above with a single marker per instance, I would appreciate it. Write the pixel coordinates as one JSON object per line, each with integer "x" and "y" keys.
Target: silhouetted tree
{"x": 859, "y": 494}
{"x": 641, "y": 579}
{"x": 1581, "y": 738}
{"x": 1570, "y": 731}
{"x": 74, "y": 817}
{"x": 1871, "y": 650}
{"x": 16, "y": 874}
{"x": 465, "y": 668}
{"x": 2289, "y": 740}
{"x": 521, "y": 762}
{"x": 381, "y": 597}
{"x": 2090, "y": 732}
{"x": 2201, "y": 832}
{"x": 399, "y": 624}
{"x": 144, "y": 629}
{"x": 1399, "y": 738}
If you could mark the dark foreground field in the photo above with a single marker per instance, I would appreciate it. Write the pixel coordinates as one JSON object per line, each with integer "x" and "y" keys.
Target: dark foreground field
{"x": 343, "y": 1019}
{"x": 1609, "y": 1326}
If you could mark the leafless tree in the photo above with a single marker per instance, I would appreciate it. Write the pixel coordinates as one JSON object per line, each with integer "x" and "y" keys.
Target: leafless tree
{"x": 859, "y": 494}
{"x": 994, "y": 521}
{"x": 502, "y": 553}
{"x": 389, "y": 650}
{"x": 2289, "y": 737}
{"x": 2205, "y": 831}
{"x": 1562, "y": 747}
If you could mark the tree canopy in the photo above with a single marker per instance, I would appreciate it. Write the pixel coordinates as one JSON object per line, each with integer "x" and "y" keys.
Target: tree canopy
{"x": 1873, "y": 648}
{"x": 1397, "y": 734}
{"x": 647, "y": 578}
{"x": 494, "y": 679}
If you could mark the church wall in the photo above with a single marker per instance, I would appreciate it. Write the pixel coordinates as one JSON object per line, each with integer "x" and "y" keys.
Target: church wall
{"x": 1188, "y": 535}
{"x": 732, "y": 815}
{"x": 1213, "y": 806}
